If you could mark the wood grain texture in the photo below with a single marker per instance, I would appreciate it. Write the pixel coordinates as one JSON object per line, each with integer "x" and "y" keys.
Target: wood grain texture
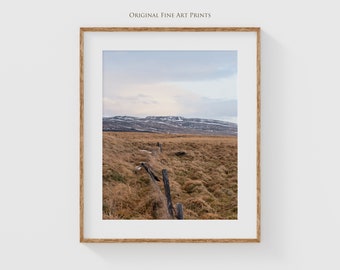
{"x": 81, "y": 132}
{"x": 169, "y": 29}
{"x": 258, "y": 135}
{"x": 257, "y": 30}
{"x": 169, "y": 240}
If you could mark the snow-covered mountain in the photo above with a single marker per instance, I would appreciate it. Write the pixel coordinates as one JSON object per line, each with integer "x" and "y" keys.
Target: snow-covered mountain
{"x": 169, "y": 124}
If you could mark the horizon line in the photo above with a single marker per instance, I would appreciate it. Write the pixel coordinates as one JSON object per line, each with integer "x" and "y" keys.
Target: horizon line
{"x": 179, "y": 116}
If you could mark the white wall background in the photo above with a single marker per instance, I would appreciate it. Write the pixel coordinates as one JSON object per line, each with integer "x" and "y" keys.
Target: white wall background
{"x": 39, "y": 108}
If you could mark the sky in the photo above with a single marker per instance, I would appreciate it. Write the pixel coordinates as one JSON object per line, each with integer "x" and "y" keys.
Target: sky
{"x": 162, "y": 83}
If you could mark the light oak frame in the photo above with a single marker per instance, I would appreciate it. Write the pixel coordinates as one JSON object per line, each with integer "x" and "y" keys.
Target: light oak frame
{"x": 257, "y": 30}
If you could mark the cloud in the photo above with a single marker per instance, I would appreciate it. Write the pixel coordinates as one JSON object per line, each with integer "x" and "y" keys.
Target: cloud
{"x": 225, "y": 88}
{"x": 157, "y": 99}
{"x": 161, "y": 66}
{"x": 167, "y": 99}
{"x": 187, "y": 83}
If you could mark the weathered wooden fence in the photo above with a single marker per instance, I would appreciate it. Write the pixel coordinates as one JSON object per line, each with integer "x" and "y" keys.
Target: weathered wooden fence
{"x": 174, "y": 213}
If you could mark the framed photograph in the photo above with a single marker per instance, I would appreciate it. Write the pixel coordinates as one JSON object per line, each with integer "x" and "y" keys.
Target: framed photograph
{"x": 170, "y": 134}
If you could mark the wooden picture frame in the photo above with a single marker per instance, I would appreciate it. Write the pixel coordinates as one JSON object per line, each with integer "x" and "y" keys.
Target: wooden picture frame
{"x": 168, "y": 42}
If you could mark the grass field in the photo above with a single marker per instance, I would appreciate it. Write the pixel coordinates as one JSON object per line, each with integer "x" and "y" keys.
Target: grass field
{"x": 203, "y": 177}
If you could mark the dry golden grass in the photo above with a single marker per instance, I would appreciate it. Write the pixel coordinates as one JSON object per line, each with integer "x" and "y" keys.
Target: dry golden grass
{"x": 204, "y": 179}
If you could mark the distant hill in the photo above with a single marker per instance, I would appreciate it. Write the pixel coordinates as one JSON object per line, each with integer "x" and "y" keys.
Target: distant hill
{"x": 169, "y": 124}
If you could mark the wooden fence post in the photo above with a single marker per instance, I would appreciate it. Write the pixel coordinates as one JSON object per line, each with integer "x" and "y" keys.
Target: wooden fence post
{"x": 167, "y": 193}
{"x": 160, "y": 146}
{"x": 179, "y": 211}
